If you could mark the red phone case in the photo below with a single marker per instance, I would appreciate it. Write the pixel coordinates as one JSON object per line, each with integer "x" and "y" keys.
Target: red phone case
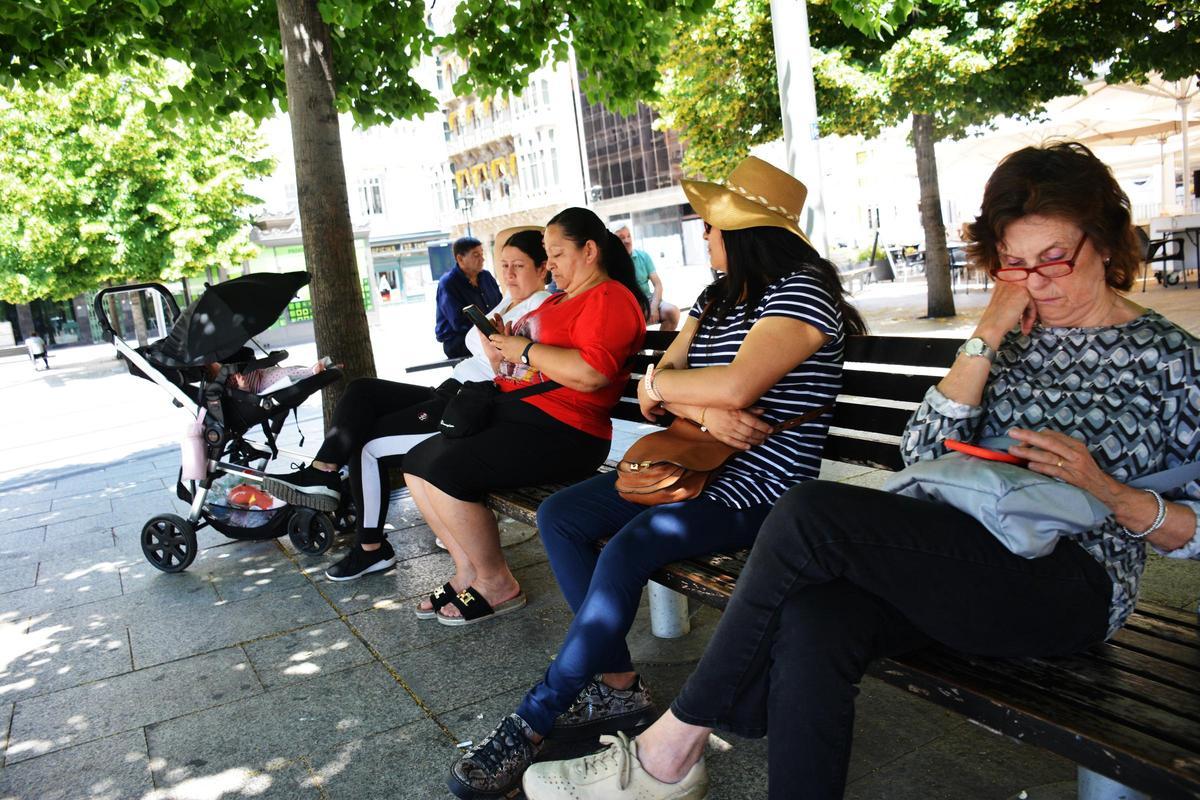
{"x": 983, "y": 452}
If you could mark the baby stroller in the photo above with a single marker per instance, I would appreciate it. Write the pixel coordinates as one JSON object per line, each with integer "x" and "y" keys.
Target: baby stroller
{"x": 194, "y": 364}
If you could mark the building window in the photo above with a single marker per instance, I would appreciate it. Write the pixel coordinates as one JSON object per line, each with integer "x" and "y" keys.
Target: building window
{"x": 546, "y": 92}
{"x": 441, "y": 79}
{"x": 370, "y": 196}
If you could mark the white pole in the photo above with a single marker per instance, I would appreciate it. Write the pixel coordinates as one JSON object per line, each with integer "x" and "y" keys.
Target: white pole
{"x": 668, "y": 612}
{"x": 1166, "y": 177}
{"x": 798, "y": 103}
{"x": 1184, "y": 102}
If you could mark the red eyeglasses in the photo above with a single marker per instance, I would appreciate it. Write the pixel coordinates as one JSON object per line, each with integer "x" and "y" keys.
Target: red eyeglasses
{"x": 1047, "y": 269}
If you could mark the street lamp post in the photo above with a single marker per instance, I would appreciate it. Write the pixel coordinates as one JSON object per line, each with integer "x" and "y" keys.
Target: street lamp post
{"x": 465, "y": 202}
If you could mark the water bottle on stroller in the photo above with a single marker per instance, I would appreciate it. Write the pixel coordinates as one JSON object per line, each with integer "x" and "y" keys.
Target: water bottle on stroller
{"x": 192, "y": 455}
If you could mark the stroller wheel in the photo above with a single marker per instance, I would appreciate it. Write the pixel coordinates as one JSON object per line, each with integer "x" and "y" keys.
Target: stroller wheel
{"x": 311, "y": 531}
{"x": 169, "y": 542}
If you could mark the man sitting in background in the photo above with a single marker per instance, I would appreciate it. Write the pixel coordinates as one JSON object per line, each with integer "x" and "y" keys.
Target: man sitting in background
{"x": 663, "y": 314}
{"x": 465, "y": 284}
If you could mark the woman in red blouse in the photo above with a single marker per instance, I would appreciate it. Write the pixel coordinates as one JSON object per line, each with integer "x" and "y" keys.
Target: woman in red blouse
{"x": 580, "y": 338}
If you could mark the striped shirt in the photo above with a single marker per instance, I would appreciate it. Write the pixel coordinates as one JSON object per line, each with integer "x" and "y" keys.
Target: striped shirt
{"x": 763, "y": 473}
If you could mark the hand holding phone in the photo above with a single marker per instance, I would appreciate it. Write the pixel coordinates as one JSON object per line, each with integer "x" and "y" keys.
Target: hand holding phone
{"x": 480, "y": 320}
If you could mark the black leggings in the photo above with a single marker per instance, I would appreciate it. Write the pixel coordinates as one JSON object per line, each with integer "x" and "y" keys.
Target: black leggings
{"x": 374, "y": 425}
{"x": 841, "y": 575}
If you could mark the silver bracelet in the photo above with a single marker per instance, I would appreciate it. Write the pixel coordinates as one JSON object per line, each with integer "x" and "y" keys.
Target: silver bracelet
{"x": 1159, "y": 518}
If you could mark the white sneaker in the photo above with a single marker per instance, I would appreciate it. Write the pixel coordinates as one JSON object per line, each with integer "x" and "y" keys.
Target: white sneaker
{"x": 612, "y": 773}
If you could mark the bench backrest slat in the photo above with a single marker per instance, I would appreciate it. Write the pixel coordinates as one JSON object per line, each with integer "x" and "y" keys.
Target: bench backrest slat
{"x": 912, "y": 351}
{"x": 873, "y": 419}
{"x": 860, "y": 382}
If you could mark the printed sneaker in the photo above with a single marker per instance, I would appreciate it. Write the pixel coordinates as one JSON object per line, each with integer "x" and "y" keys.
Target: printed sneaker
{"x": 308, "y": 486}
{"x": 613, "y": 773}
{"x": 493, "y": 768}
{"x": 599, "y": 708}
{"x": 359, "y": 562}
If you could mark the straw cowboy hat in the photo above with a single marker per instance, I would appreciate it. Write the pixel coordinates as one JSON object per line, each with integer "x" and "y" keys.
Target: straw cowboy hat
{"x": 754, "y": 194}
{"x": 503, "y": 236}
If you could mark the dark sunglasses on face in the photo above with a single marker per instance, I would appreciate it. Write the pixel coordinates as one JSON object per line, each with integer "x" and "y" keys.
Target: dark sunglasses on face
{"x": 707, "y": 228}
{"x": 1057, "y": 268}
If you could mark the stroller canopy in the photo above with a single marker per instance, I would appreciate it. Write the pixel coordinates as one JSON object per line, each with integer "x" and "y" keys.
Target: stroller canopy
{"x": 220, "y": 322}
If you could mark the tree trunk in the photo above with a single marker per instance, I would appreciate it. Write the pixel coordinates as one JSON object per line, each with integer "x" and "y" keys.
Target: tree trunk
{"x": 83, "y": 320}
{"x": 114, "y": 314}
{"x": 139, "y": 317}
{"x": 24, "y": 322}
{"x": 339, "y": 319}
{"x": 940, "y": 301}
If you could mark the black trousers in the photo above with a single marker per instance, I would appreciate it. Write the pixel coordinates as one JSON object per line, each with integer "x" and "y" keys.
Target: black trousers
{"x": 374, "y": 425}
{"x": 841, "y": 575}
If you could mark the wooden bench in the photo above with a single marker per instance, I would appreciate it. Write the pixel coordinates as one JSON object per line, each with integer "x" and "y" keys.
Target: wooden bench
{"x": 1128, "y": 710}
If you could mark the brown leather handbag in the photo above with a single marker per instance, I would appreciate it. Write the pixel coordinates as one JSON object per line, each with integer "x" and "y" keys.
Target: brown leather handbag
{"x": 678, "y": 463}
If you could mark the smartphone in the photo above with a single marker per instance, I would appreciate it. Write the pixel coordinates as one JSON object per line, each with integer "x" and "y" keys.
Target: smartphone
{"x": 989, "y": 453}
{"x": 479, "y": 320}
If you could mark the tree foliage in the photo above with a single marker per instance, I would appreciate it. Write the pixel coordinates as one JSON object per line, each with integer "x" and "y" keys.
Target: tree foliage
{"x": 964, "y": 63}
{"x": 719, "y": 87}
{"x": 98, "y": 187}
{"x": 232, "y": 49}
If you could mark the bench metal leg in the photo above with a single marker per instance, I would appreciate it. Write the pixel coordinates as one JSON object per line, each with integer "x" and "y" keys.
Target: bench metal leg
{"x": 668, "y": 612}
{"x": 1094, "y": 786}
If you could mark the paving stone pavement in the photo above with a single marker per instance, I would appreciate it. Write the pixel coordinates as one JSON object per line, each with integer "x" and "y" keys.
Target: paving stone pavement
{"x": 251, "y": 676}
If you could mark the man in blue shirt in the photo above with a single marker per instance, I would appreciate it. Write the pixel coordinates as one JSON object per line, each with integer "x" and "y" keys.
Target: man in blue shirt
{"x": 665, "y": 314}
{"x": 465, "y": 284}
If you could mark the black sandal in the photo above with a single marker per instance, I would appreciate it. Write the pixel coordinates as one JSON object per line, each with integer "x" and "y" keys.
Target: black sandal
{"x": 439, "y": 599}
{"x": 474, "y": 608}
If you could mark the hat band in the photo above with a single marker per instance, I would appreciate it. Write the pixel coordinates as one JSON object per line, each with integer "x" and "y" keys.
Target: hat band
{"x": 762, "y": 201}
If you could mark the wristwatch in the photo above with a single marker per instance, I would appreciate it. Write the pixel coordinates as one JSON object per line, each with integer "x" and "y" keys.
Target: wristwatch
{"x": 525, "y": 354}
{"x": 977, "y": 347}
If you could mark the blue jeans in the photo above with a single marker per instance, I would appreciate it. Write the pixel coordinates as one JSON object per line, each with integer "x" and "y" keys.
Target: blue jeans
{"x": 604, "y": 589}
{"x": 842, "y": 575}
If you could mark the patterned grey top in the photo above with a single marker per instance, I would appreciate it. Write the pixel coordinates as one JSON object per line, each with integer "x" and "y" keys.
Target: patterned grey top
{"x": 1129, "y": 391}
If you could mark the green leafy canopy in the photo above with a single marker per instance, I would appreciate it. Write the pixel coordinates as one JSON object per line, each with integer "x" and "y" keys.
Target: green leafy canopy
{"x": 98, "y": 187}
{"x": 963, "y": 62}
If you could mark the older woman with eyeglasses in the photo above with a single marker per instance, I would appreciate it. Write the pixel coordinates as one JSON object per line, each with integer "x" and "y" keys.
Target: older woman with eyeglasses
{"x": 1096, "y": 390}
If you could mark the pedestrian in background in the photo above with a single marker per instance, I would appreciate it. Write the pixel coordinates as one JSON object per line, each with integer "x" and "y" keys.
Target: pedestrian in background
{"x": 36, "y": 346}
{"x": 465, "y": 285}
{"x": 665, "y": 315}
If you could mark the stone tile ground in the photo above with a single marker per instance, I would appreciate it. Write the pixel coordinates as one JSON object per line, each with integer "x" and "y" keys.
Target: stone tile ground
{"x": 249, "y": 675}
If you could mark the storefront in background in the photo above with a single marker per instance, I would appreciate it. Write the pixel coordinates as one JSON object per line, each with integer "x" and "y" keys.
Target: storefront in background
{"x": 402, "y": 265}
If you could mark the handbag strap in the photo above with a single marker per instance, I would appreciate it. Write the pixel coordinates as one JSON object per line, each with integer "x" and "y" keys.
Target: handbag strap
{"x": 528, "y": 391}
{"x": 807, "y": 416}
{"x": 1168, "y": 479}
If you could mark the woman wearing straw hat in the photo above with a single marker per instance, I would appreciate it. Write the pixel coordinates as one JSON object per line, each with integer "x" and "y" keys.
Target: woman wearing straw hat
{"x": 378, "y": 421}
{"x": 762, "y": 344}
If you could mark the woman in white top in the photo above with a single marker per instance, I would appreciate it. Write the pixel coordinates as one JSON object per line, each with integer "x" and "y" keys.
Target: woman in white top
{"x": 376, "y": 422}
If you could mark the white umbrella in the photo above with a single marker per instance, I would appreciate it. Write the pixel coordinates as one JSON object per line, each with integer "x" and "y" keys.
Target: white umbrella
{"x": 1145, "y": 109}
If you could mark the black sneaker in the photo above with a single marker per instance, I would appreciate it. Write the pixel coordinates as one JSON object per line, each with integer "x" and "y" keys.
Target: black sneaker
{"x": 359, "y": 562}
{"x": 308, "y": 486}
{"x": 493, "y": 768}
{"x": 601, "y": 709}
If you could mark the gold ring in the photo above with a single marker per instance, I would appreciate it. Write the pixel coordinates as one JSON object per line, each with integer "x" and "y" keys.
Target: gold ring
{"x": 1059, "y": 464}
